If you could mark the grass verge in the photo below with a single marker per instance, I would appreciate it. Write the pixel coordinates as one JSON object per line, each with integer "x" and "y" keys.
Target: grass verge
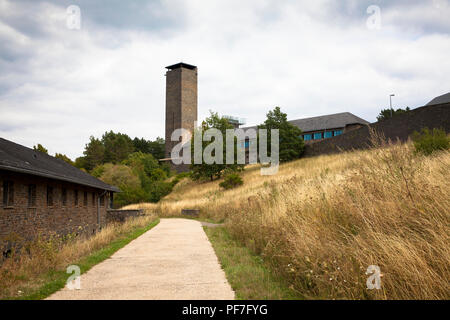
{"x": 246, "y": 272}
{"x": 54, "y": 280}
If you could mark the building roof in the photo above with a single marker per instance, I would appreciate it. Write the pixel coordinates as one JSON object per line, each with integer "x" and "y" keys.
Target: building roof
{"x": 330, "y": 121}
{"x": 181, "y": 65}
{"x": 445, "y": 98}
{"x": 17, "y": 158}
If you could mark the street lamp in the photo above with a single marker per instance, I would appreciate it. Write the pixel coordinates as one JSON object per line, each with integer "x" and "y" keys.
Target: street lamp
{"x": 390, "y": 102}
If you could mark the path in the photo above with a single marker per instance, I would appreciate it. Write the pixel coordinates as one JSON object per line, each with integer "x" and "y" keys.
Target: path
{"x": 174, "y": 260}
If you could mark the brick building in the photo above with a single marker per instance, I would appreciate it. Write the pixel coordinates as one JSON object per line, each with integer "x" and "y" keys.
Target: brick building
{"x": 42, "y": 195}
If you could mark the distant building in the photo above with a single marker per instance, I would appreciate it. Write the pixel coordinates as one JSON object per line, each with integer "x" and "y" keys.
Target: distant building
{"x": 328, "y": 126}
{"x": 42, "y": 194}
{"x": 322, "y": 127}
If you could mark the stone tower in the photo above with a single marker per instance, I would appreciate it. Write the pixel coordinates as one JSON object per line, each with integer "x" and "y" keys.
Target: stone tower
{"x": 181, "y": 100}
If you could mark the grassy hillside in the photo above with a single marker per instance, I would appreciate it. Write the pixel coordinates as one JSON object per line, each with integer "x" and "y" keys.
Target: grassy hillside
{"x": 320, "y": 222}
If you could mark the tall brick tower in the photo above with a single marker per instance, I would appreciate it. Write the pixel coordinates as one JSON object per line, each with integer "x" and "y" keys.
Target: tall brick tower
{"x": 181, "y": 100}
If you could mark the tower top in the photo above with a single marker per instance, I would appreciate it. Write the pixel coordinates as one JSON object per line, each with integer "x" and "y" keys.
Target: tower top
{"x": 181, "y": 65}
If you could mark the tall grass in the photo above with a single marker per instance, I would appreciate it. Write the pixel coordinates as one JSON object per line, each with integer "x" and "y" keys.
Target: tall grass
{"x": 27, "y": 271}
{"x": 320, "y": 222}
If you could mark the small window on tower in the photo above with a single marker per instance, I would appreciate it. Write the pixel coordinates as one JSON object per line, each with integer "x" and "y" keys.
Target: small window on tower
{"x": 75, "y": 198}
{"x": 85, "y": 199}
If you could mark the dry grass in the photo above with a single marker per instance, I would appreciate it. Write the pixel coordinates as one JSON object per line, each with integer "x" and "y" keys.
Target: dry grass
{"x": 26, "y": 272}
{"x": 320, "y": 222}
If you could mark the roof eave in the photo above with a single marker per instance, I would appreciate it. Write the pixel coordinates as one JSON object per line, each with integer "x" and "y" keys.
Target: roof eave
{"x": 56, "y": 177}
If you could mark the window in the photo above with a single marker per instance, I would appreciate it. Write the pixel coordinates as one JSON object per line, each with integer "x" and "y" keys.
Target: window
{"x": 102, "y": 201}
{"x": 337, "y": 132}
{"x": 93, "y": 198}
{"x": 317, "y": 135}
{"x": 32, "y": 195}
{"x": 111, "y": 200}
{"x": 328, "y": 134}
{"x": 64, "y": 196}
{"x": 8, "y": 193}
{"x": 75, "y": 197}
{"x": 306, "y": 137}
{"x": 246, "y": 144}
{"x": 49, "y": 196}
{"x": 85, "y": 202}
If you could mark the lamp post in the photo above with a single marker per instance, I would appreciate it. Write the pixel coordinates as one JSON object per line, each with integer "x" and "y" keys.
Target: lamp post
{"x": 390, "y": 102}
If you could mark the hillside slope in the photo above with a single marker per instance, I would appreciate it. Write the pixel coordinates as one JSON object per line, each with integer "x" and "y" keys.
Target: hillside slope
{"x": 322, "y": 221}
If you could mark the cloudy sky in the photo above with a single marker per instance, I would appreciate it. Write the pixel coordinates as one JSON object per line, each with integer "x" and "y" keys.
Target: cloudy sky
{"x": 59, "y": 85}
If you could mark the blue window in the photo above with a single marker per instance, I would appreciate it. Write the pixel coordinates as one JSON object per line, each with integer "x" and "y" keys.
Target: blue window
{"x": 328, "y": 134}
{"x": 337, "y": 132}
{"x": 317, "y": 135}
{"x": 246, "y": 144}
{"x": 307, "y": 137}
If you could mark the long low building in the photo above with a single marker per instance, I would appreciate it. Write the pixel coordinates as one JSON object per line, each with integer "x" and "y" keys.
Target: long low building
{"x": 43, "y": 195}
{"x": 316, "y": 128}
{"x": 323, "y": 127}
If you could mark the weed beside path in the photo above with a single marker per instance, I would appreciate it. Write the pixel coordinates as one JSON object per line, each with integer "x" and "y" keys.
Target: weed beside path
{"x": 246, "y": 272}
{"x": 38, "y": 275}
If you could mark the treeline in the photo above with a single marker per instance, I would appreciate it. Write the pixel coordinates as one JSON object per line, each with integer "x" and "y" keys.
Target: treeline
{"x": 115, "y": 148}
{"x": 130, "y": 164}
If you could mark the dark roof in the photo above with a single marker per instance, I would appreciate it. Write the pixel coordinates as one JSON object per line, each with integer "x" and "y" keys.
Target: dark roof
{"x": 181, "y": 65}
{"x": 331, "y": 121}
{"x": 445, "y": 98}
{"x": 14, "y": 157}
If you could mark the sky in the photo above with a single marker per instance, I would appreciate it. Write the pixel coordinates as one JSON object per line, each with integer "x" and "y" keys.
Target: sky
{"x": 60, "y": 84}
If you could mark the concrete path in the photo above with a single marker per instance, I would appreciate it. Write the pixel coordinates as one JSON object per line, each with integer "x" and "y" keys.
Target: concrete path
{"x": 174, "y": 260}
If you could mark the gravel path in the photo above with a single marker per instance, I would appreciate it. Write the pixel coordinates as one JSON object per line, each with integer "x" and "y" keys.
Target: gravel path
{"x": 174, "y": 260}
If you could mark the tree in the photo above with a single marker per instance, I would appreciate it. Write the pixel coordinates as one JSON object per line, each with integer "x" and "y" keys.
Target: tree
{"x": 94, "y": 154}
{"x": 123, "y": 177}
{"x": 40, "y": 148}
{"x": 155, "y": 148}
{"x": 214, "y": 170}
{"x": 388, "y": 113}
{"x": 65, "y": 158}
{"x": 291, "y": 145}
{"x": 117, "y": 146}
{"x": 80, "y": 163}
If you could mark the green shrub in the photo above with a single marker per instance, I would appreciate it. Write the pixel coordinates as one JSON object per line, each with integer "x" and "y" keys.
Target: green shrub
{"x": 231, "y": 180}
{"x": 428, "y": 141}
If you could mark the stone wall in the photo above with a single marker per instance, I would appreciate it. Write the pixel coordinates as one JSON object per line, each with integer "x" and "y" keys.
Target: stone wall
{"x": 398, "y": 127}
{"x": 122, "y": 215}
{"x": 21, "y": 221}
